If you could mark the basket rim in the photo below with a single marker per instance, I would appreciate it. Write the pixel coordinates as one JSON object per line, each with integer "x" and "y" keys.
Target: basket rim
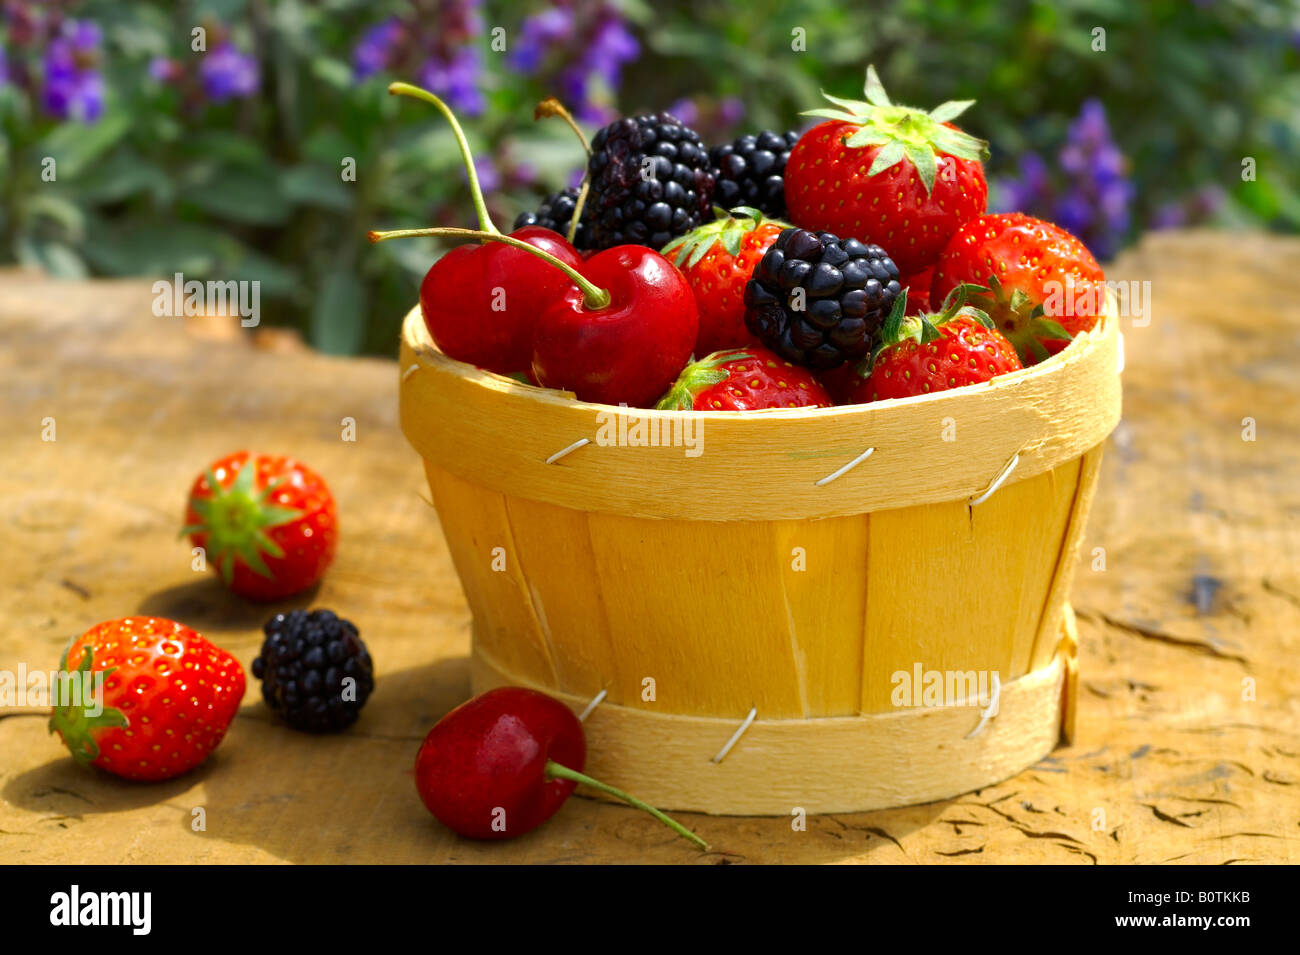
{"x": 415, "y": 334}
{"x": 775, "y": 464}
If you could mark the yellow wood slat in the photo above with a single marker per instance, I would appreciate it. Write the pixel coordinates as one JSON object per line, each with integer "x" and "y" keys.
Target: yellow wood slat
{"x": 956, "y": 588}
{"x": 826, "y": 604}
{"x": 1050, "y": 626}
{"x": 556, "y": 557}
{"x": 475, "y": 523}
{"x": 700, "y": 608}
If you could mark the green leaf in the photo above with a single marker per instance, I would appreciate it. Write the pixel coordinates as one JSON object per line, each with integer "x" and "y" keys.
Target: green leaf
{"x": 829, "y": 114}
{"x": 120, "y": 176}
{"x": 852, "y": 106}
{"x": 699, "y": 251}
{"x": 875, "y": 90}
{"x": 890, "y": 154}
{"x": 332, "y": 72}
{"x": 1047, "y": 328}
{"x": 889, "y": 331}
{"x": 313, "y": 185}
{"x": 52, "y": 257}
{"x": 239, "y": 195}
{"x": 866, "y": 136}
{"x": 60, "y": 211}
{"x": 75, "y": 146}
{"x": 338, "y": 318}
{"x": 947, "y": 112}
{"x": 923, "y": 159}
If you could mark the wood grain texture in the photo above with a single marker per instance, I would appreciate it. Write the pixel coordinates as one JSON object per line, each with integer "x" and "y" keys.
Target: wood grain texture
{"x": 755, "y": 466}
{"x": 1201, "y": 590}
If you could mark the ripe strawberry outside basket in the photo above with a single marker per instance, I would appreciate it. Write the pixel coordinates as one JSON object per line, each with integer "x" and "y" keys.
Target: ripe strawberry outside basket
{"x": 747, "y": 611}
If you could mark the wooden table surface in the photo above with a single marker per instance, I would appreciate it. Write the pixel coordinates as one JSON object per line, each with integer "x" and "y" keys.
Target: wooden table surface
{"x": 1188, "y": 746}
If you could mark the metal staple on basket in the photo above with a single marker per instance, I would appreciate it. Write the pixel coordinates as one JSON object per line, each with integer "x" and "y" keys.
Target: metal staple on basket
{"x": 735, "y": 737}
{"x": 997, "y": 481}
{"x": 569, "y": 450}
{"x": 595, "y": 702}
{"x": 846, "y": 469}
{"x": 991, "y": 710}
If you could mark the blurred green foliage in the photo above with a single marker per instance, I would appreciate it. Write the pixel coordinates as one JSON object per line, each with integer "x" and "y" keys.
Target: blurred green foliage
{"x": 251, "y": 189}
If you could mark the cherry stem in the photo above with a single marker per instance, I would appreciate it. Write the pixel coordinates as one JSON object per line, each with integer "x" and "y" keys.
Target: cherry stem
{"x": 476, "y": 191}
{"x": 577, "y": 211}
{"x": 553, "y": 107}
{"x": 555, "y": 771}
{"x": 594, "y": 296}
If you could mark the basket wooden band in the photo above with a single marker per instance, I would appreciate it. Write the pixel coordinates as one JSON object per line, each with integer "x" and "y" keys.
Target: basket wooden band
{"x": 756, "y": 465}
{"x": 833, "y": 764}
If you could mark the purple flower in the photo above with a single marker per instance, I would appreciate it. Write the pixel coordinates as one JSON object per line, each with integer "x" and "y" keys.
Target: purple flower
{"x": 489, "y": 179}
{"x": 592, "y": 40}
{"x": 375, "y": 50}
{"x": 74, "y": 89}
{"x": 731, "y": 111}
{"x": 1094, "y": 204}
{"x": 456, "y": 80}
{"x": 1032, "y": 190}
{"x": 228, "y": 73}
{"x": 164, "y": 70}
{"x": 4, "y": 67}
{"x": 539, "y": 34}
{"x": 686, "y": 111}
{"x": 611, "y": 47}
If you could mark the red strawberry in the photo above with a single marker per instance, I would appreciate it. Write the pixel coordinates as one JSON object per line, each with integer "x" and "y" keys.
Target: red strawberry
{"x": 893, "y": 175}
{"x": 268, "y": 524}
{"x": 918, "y": 292}
{"x": 744, "y": 379}
{"x": 717, "y": 259}
{"x": 1041, "y": 284}
{"x": 926, "y": 353}
{"x": 167, "y": 697}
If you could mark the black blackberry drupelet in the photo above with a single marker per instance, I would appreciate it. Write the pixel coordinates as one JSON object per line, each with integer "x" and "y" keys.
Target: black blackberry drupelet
{"x": 305, "y": 659}
{"x": 751, "y": 172}
{"x": 556, "y": 212}
{"x": 649, "y": 182}
{"x": 817, "y": 300}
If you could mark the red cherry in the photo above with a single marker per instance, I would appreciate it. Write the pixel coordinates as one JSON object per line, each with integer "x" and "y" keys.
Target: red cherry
{"x": 501, "y": 764}
{"x": 481, "y": 302}
{"x": 482, "y": 769}
{"x": 628, "y": 351}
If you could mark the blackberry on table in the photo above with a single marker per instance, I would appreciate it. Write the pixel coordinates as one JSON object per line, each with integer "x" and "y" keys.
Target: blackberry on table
{"x": 817, "y": 300}
{"x": 556, "y": 212}
{"x": 649, "y": 182}
{"x": 751, "y": 172}
{"x": 305, "y": 660}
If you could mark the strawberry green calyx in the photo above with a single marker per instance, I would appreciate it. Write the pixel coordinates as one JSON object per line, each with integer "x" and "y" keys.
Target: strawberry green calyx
{"x": 70, "y": 718}
{"x": 904, "y": 132}
{"x": 1017, "y": 317}
{"x": 899, "y": 327}
{"x": 235, "y": 520}
{"x": 697, "y": 376}
{"x": 729, "y": 228}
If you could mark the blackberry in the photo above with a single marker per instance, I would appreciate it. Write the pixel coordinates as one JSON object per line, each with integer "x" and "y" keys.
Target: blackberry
{"x": 304, "y": 662}
{"x": 556, "y": 212}
{"x": 650, "y": 181}
{"x": 817, "y": 300}
{"x": 751, "y": 172}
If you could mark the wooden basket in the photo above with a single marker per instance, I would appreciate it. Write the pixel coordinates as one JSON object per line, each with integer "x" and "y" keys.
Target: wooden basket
{"x": 772, "y": 587}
